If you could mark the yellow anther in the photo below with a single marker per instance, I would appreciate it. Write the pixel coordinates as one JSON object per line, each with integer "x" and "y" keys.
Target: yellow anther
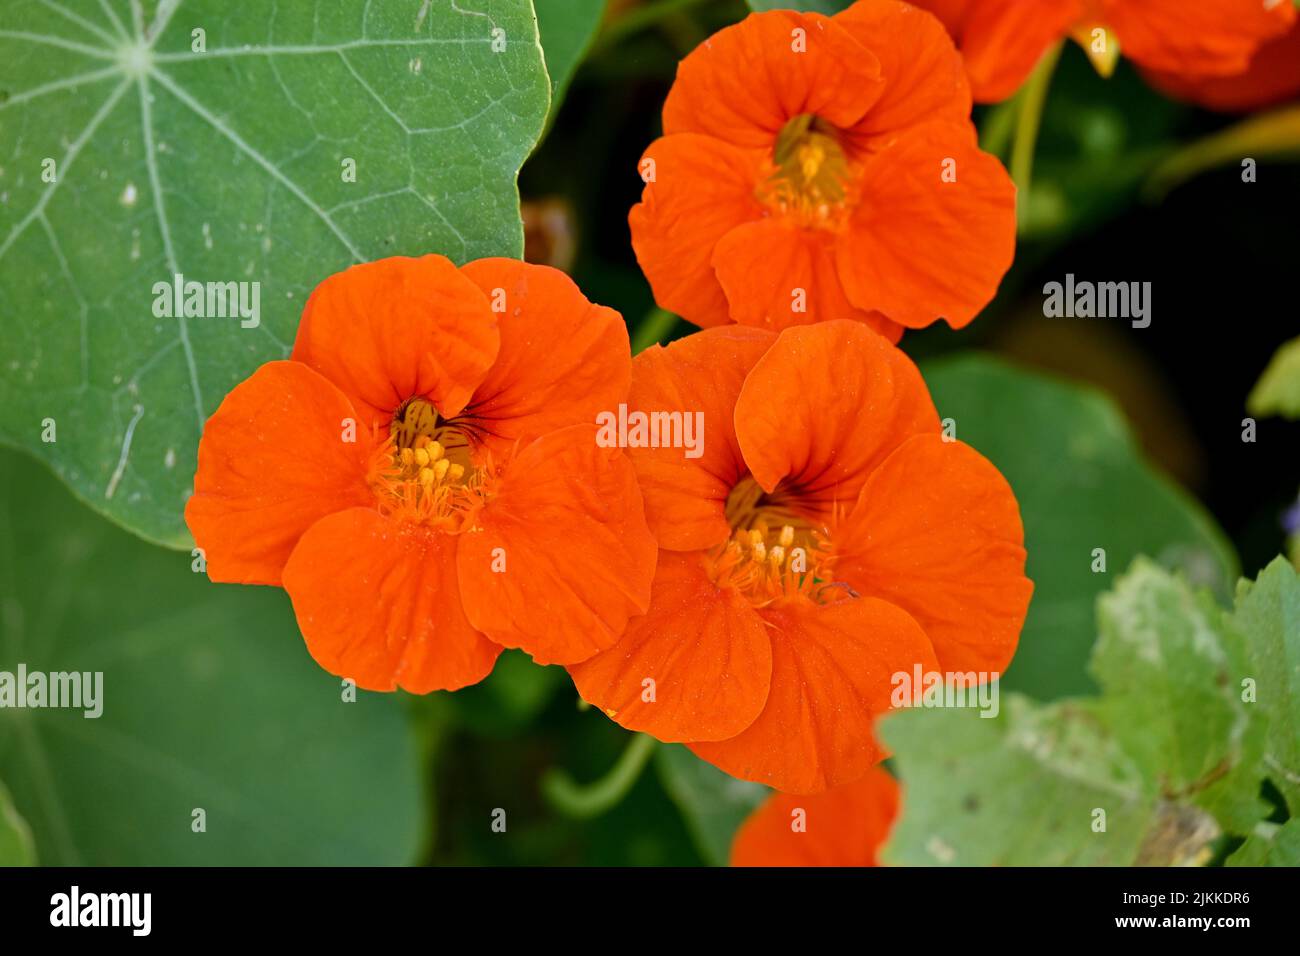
{"x": 426, "y": 477}
{"x": 760, "y": 551}
{"x": 755, "y": 539}
{"x": 777, "y": 556}
{"x": 787, "y": 536}
{"x": 407, "y": 456}
{"x": 421, "y": 441}
{"x": 435, "y": 450}
{"x": 456, "y": 472}
{"x": 421, "y": 457}
{"x": 440, "y": 468}
{"x": 810, "y": 159}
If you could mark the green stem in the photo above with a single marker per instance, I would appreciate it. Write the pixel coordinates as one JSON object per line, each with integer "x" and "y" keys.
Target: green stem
{"x": 576, "y": 800}
{"x": 653, "y": 328}
{"x": 1032, "y": 97}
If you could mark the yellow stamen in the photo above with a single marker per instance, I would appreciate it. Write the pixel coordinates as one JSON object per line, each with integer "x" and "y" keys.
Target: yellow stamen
{"x": 422, "y": 457}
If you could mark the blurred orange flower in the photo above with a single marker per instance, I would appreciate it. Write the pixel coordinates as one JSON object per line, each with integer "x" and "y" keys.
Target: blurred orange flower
{"x": 422, "y": 475}
{"x": 843, "y": 827}
{"x": 818, "y": 168}
{"x": 1272, "y": 78}
{"x": 1002, "y": 40}
{"x": 827, "y": 539}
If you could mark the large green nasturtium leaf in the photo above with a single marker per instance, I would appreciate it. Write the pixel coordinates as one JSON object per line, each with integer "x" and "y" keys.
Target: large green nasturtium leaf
{"x": 210, "y": 702}
{"x": 252, "y": 142}
{"x": 1082, "y": 485}
{"x": 1170, "y": 756}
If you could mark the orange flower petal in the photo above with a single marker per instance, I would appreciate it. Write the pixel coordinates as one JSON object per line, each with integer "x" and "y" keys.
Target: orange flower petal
{"x": 846, "y": 826}
{"x": 831, "y": 671}
{"x": 923, "y": 73}
{"x": 685, "y": 498}
{"x": 706, "y": 650}
{"x": 272, "y": 461}
{"x": 1273, "y": 77}
{"x": 1207, "y": 38}
{"x": 587, "y": 363}
{"x": 746, "y": 81}
{"x": 568, "y": 520}
{"x": 702, "y": 189}
{"x": 769, "y": 267}
{"x": 937, "y": 532}
{"x": 967, "y": 229}
{"x": 377, "y": 602}
{"x": 393, "y": 329}
{"x": 824, "y": 406}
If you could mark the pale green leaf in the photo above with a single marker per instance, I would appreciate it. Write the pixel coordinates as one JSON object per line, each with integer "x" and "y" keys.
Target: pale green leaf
{"x": 1270, "y": 845}
{"x": 1171, "y": 673}
{"x": 1268, "y": 618}
{"x": 1278, "y": 390}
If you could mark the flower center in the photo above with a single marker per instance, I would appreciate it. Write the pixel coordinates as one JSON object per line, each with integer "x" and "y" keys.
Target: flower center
{"x": 774, "y": 550}
{"x": 423, "y": 472}
{"x": 810, "y": 174}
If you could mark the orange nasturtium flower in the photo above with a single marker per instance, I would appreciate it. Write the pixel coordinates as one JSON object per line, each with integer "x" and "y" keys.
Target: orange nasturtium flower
{"x": 843, "y": 827}
{"x": 1002, "y": 40}
{"x": 422, "y": 475}
{"x": 1273, "y": 76}
{"x": 819, "y": 168}
{"x": 827, "y": 539}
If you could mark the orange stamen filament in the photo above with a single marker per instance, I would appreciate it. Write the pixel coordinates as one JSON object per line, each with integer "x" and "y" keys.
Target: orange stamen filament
{"x": 766, "y": 567}
{"x": 413, "y": 476}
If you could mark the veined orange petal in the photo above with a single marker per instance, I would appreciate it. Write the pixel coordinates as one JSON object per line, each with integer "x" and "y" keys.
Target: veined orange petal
{"x": 824, "y": 406}
{"x": 273, "y": 460}
{"x": 397, "y": 328}
{"x": 922, "y": 70}
{"x": 377, "y": 602}
{"x": 704, "y": 651}
{"x": 686, "y": 498}
{"x": 701, "y": 189}
{"x": 966, "y": 227}
{"x": 832, "y": 667}
{"x": 777, "y": 274}
{"x": 937, "y": 532}
{"x": 746, "y": 81}
{"x": 846, "y": 826}
{"x": 567, "y": 520}
{"x": 562, "y": 359}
